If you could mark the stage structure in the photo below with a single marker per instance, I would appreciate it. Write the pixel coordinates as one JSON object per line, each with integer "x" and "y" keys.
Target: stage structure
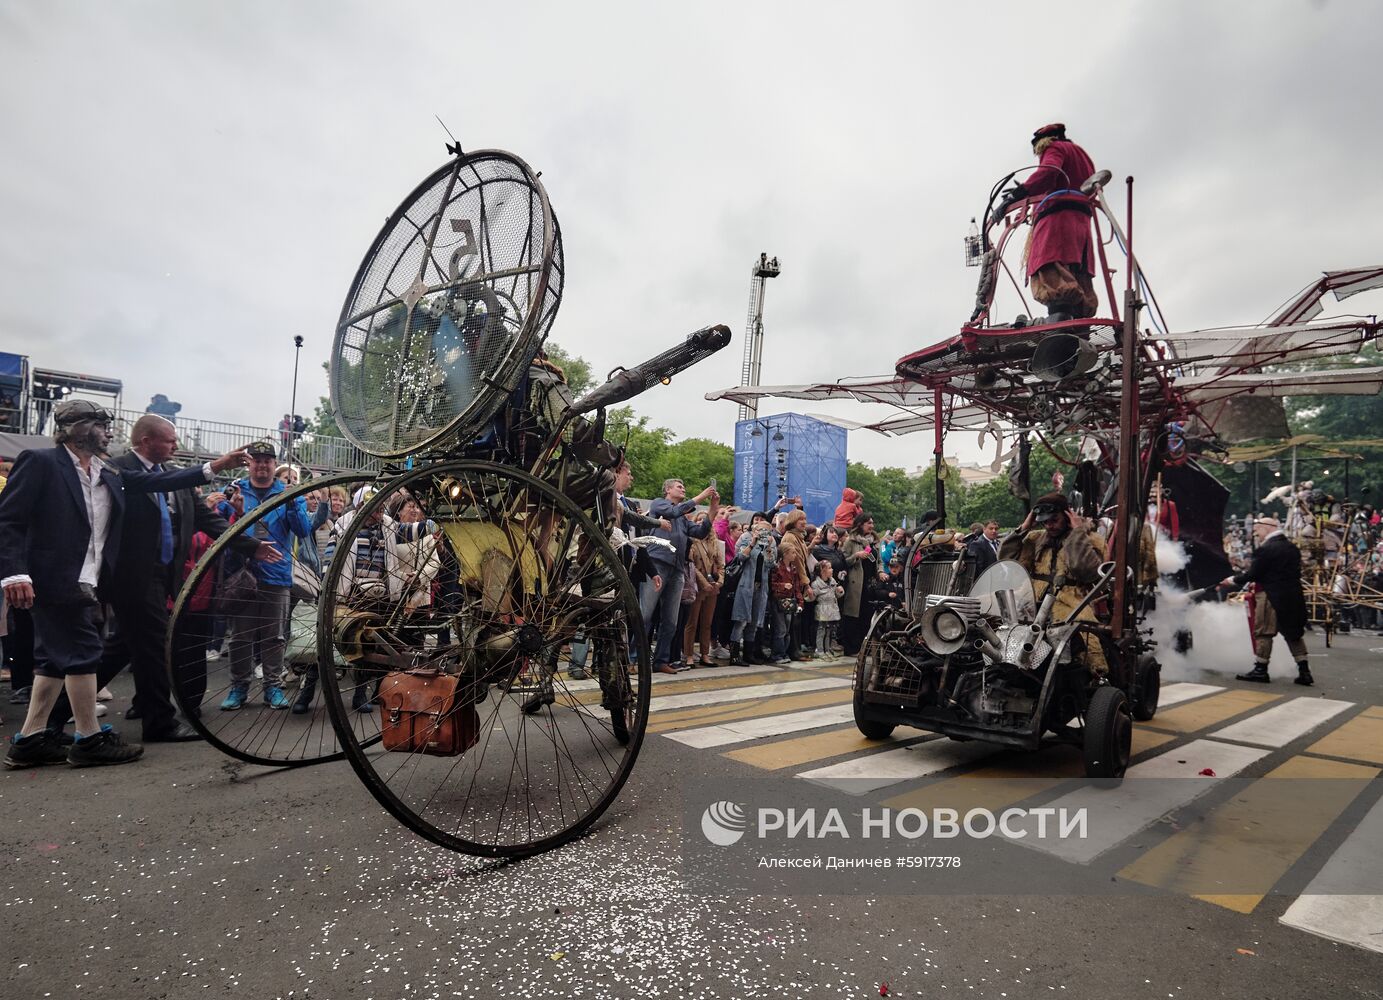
{"x": 790, "y": 454}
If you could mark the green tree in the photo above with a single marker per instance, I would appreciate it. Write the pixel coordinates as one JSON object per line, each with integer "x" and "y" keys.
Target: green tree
{"x": 322, "y": 422}
{"x": 576, "y": 368}
{"x": 696, "y": 461}
{"x": 644, "y": 446}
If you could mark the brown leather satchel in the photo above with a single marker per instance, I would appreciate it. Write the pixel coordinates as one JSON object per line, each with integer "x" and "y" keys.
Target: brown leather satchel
{"x": 420, "y": 714}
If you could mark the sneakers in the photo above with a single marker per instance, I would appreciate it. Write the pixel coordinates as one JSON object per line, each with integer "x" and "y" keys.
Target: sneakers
{"x": 275, "y": 697}
{"x": 104, "y": 695}
{"x": 235, "y": 700}
{"x": 20, "y": 696}
{"x": 577, "y": 674}
{"x": 106, "y": 747}
{"x": 719, "y": 653}
{"x": 35, "y": 750}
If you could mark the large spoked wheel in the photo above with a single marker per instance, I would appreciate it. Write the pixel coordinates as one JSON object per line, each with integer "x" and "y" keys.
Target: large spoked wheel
{"x": 243, "y": 658}
{"x": 446, "y": 614}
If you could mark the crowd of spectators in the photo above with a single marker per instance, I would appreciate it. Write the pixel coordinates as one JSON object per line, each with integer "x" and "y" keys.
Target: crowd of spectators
{"x": 88, "y": 590}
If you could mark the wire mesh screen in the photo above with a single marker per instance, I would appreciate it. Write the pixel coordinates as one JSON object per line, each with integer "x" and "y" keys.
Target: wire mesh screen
{"x": 448, "y": 307}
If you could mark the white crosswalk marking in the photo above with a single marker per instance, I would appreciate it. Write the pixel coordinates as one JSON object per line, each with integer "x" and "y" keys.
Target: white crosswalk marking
{"x": 773, "y": 725}
{"x": 1115, "y": 814}
{"x": 1281, "y": 724}
{"x": 1338, "y": 904}
{"x": 695, "y": 699}
{"x": 1175, "y": 694}
{"x": 866, "y": 774}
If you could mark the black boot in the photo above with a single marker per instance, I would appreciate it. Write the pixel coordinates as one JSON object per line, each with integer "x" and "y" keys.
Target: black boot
{"x": 752, "y": 653}
{"x": 736, "y": 660}
{"x": 1304, "y": 677}
{"x": 1259, "y": 674}
{"x": 302, "y": 704}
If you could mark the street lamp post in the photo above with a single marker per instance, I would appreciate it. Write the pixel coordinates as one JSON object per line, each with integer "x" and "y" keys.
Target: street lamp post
{"x": 759, "y": 424}
{"x": 293, "y": 406}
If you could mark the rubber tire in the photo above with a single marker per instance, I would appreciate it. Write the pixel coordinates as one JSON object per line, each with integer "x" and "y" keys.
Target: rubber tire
{"x": 1108, "y": 734}
{"x": 870, "y": 729}
{"x": 1149, "y": 680}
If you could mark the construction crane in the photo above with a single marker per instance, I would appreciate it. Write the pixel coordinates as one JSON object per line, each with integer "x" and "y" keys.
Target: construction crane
{"x": 764, "y": 268}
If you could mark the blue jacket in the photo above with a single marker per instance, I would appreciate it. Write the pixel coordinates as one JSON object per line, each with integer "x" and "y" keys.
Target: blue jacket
{"x": 683, "y": 531}
{"x": 281, "y": 524}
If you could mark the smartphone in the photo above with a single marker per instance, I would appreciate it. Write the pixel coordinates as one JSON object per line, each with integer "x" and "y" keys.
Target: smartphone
{"x": 713, "y": 484}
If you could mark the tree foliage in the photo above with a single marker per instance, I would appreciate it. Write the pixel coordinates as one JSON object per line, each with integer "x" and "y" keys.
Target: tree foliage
{"x": 576, "y": 368}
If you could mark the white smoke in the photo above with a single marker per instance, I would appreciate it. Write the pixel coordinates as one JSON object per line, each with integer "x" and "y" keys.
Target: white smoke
{"x": 1221, "y": 641}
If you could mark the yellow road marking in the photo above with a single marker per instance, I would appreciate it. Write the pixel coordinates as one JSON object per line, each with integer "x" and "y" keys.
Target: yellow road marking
{"x": 1361, "y": 738}
{"x": 1373, "y": 712}
{"x": 1252, "y": 840}
{"x": 1208, "y": 711}
{"x": 768, "y": 705}
{"x": 819, "y": 746}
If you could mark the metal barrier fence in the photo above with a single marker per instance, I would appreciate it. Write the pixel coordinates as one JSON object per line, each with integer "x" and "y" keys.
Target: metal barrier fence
{"x": 207, "y": 439}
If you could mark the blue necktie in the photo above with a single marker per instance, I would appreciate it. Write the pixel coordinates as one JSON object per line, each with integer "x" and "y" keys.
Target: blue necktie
{"x": 165, "y": 526}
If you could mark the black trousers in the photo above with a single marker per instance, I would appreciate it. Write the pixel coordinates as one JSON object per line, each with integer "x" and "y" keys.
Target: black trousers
{"x": 190, "y": 640}
{"x": 19, "y": 649}
{"x": 141, "y": 625}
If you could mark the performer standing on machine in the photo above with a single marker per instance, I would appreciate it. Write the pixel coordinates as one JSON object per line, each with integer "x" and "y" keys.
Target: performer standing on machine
{"x": 1278, "y": 604}
{"x": 1060, "y": 262}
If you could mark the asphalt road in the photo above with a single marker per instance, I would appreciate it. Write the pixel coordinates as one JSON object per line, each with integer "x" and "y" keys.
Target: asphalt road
{"x": 188, "y": 874}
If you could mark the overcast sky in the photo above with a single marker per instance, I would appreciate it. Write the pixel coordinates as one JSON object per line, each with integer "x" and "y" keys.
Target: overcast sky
{"x": 186, "y": 185}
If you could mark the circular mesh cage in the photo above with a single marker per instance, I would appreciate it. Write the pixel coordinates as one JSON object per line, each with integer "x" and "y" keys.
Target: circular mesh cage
{"x": 454, "y": 297}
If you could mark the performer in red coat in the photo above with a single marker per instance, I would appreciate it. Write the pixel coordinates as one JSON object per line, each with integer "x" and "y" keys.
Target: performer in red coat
{"x": 1060, "y": 255}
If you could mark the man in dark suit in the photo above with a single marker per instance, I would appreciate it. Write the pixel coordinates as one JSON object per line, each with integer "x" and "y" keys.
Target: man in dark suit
{"x": 156, "y": 535}
{"x": 59, "y": 543}
{"x": 984, "y": 550}
{"x": 1279, "y": 606}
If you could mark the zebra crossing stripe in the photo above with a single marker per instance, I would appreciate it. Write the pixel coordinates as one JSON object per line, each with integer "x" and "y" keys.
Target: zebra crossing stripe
{"x": 1281, "y": 724}
{"x": 1246, "y": 845}
{"x": 682, "y": 718}
{"x": 862, "y": 775}
{"x": 1208, "y": 711}
{"x": 1337, "y": 904}
{"x": 1115, "y": 814}
{"x": 693, "y": 680}
{"x": 747, "y": 693}
{"x": 741, "y": 731}
{"x": 1175, "y": 694}
{"x": 1010, "y": 779}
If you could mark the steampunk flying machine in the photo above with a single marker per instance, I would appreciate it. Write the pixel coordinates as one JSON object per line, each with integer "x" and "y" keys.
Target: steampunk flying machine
{"x": 991, "y": 658}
